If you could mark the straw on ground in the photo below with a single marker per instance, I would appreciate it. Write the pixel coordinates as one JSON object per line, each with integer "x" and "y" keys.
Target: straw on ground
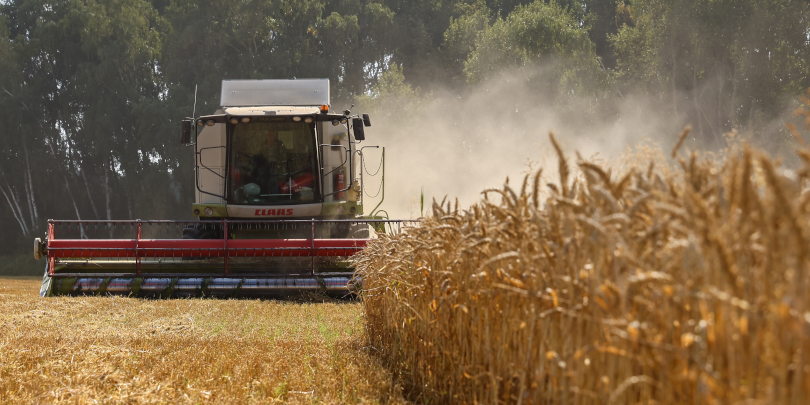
{"x": 112, "y": 349}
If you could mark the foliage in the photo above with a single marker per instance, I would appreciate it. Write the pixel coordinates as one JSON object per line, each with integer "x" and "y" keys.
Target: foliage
{"x": 636, "y": 58}
{"x": 724, "y": 64}
{"x": 85, "y": 97}
{"x": 93, "y": 90}
{"x": 462, "y": 34}
{"x": 391, "y": 95}
{"x": 530, "y": 33}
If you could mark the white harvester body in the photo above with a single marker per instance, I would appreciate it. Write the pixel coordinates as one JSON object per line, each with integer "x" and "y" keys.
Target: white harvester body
{"x": 267, "y": 100}
{"x": 278, "y": 204}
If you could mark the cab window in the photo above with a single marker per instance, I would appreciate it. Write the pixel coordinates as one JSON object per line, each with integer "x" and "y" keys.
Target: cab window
{"x": 273, "y": 163}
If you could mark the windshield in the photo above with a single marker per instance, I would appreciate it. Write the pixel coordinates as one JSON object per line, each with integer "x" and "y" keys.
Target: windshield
{"x": 273, "y": 163}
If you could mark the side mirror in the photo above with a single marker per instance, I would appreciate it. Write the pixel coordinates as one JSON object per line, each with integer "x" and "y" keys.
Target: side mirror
{"x": 185, "y": 132}
{"x": 366, "y": 120}
{"x": 359, "y": 131}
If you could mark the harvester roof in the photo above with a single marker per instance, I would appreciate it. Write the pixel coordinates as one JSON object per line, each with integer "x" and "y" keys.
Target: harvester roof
{"x": 270, "y": 110}
{"x": 296, "y": 92}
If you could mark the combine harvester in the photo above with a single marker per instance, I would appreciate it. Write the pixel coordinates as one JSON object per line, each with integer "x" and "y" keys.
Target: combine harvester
{"x": 279, "y": 207}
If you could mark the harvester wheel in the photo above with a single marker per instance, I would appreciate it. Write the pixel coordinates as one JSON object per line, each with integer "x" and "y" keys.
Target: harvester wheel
{"x": 350, "y": 231}
{"x": 358, "y": 231}
{"x": 191, "y": 233}
{"x": 202, "y": 232}
{"x": 45, "y": 289}
{"x": 38, "y": 248}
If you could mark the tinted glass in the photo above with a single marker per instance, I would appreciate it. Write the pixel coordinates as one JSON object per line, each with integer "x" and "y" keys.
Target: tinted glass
{"x": 273, "y": 163}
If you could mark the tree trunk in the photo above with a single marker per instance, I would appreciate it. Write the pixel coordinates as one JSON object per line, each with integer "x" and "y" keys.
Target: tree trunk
{"x": 15, "y": 196}
{"x": 107, "y": 192}
{"x": 732, "y": 114}
{"x": 27, "y": 193}
{"x": 13, "y": 212}
{"x": 696, "y": 104}
{"x": 89, "y": 194}
{"x": 701, "y": 106}
{"x": 32, "y": 204}
{"x": 13, "y": 204}
{"x": 674, "y": 73}
{"x": 75, "y": 207}
{"x": 721, "y": 81}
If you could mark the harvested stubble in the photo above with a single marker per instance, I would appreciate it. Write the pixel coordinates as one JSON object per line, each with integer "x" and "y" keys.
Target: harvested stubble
{"x": 643, "y": 287}
{"x": 125, "y": 350}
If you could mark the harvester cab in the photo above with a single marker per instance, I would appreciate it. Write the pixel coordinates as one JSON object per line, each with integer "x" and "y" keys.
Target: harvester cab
{"x": 278, "y": 204}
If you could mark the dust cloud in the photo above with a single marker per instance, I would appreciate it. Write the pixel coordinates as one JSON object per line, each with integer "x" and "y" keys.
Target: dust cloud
{"x": 459, "y": 144}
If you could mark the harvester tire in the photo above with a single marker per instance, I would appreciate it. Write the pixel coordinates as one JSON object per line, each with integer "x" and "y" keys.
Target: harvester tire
{"x": 38, "y": 248}
{"x": 359, "y": 231}
{"x": 45, "y": 288}
{"x": 209, "y": 235}
{"x": 191, "y": 233}
{"x": 208, "y": 232}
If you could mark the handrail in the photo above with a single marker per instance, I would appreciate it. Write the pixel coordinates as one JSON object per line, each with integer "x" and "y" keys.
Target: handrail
{"x": 345, "y": 160}
{"x": 382, "y": 184}
{"x": 198, "y": 163}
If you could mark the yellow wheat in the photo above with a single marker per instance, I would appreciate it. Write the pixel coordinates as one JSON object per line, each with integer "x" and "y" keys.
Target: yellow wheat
{"x": 680, "y": 285}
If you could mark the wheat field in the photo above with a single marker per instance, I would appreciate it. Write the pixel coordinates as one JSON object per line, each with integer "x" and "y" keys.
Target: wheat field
{"x": 645, "y": 282}
{"x": 653, "y": 280}
{"x": 125, "y": 350}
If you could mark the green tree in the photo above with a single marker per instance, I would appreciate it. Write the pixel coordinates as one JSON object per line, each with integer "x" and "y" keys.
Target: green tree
{"x": 391, "y": 95}
{"x": 543, "y": 32}
{"x": 96, "y": 64}
{"x": 17, "y": 194}
{"x": 722, "y": 64}
{"x": 605, "y": 17}
{"x": 461, "y": 35}
{"x": 211, "y": 41}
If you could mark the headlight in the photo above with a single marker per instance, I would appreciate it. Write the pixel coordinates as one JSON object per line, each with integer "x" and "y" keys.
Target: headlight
{"x": 335, "y": 122}
{"x": 199, "y": 123}
{"x": 234, "y": 120}
{"x": 246, "y": 119}
{"x": 296, "y": 119}
{"x": 210, "y": 123}
{"x": 209, "y": 211}
{"x": 308, "y": 120}
{"x": 344, "y": 120}
{"x": 196, "y": 212}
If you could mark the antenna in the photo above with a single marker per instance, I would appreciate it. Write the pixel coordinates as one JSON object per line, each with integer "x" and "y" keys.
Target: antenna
{"x": 194, "y": 112}
{"x": 349, "y": 111}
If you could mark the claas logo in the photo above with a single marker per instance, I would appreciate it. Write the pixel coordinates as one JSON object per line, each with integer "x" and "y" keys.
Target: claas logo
{"x": 278, "y": 212}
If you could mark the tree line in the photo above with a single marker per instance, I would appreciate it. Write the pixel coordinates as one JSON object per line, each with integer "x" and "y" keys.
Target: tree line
{"x": 92, "y": 90}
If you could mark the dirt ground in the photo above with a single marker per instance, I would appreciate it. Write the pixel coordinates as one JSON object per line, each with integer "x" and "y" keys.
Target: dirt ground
{"x": 114, "y": 349}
